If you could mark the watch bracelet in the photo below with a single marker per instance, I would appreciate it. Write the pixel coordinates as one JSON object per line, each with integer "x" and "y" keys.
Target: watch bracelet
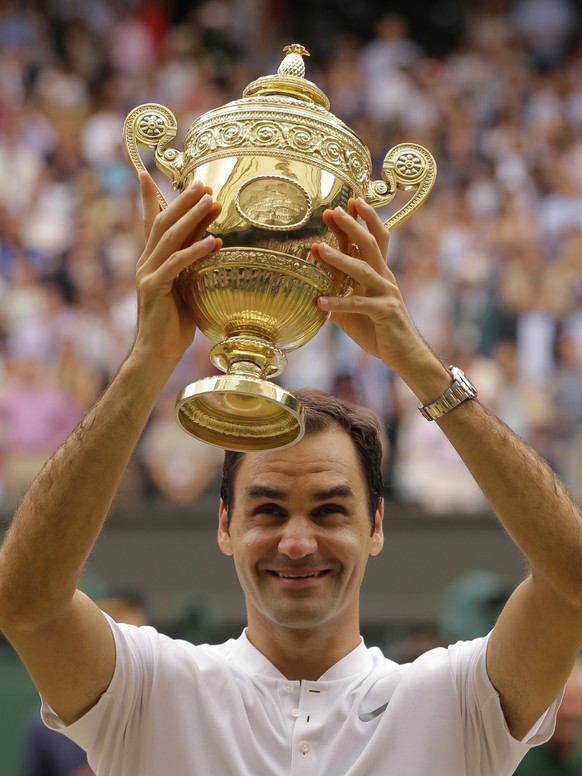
{"x": 455, "y": 394}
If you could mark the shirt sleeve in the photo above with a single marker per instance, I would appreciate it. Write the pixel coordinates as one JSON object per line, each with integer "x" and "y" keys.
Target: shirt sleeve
{"x": 490, "y": 747}
{"x": 103, "y": 731}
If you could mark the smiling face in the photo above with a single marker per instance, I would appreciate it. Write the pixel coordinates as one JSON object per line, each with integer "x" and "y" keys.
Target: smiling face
{"x": 299, "y": 533}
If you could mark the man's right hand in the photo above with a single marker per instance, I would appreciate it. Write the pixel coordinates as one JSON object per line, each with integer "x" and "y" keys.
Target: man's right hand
{"x": 174, "y": 240}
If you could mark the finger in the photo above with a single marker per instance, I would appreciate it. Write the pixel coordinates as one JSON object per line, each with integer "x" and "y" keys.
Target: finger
{"x": 368, "y": 278}
{"x": 198, "y": 233}
{"x": 370, "y": 249}
{"x": 149, "y": 196}
{"x": 373, "y": 222}
{"x": 355, "y": 303}
{"x": 175, "y": 210}
{"x": 167, "y": 272}
{"x": 176, "y": 235}
{"x": 339, "y": 234}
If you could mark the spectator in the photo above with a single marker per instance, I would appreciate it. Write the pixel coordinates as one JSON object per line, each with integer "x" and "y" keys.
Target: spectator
{"x": 179, "y": 466}
{"x": 36, "y": 414}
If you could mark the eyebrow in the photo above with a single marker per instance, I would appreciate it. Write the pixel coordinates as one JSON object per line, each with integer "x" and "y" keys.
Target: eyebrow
{"x": 263, "y": 491}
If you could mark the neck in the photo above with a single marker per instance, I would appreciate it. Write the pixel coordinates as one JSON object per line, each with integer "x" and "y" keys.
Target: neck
{"x": 302, "y": 653}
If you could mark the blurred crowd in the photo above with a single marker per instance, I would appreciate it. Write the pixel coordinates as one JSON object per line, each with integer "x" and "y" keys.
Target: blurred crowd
{"x": 491, "y": 266}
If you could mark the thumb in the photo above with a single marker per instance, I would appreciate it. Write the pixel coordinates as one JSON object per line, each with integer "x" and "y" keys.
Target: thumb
{"x": 149, "y": 196}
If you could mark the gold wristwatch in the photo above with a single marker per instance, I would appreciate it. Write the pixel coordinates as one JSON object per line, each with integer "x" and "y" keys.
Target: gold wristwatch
{"x": 461, "y": 390}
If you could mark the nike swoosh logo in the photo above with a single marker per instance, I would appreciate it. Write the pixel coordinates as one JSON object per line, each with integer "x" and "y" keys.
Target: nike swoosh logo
{"x": 368, "y": 716}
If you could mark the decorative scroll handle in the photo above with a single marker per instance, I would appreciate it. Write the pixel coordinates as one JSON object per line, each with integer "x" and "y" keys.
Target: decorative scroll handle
{"x": 408, "y": 167}
{"x": 153, "y": 127}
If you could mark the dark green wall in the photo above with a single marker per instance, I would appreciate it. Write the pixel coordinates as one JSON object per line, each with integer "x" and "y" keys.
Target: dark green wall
{"x": 18, "y": 700}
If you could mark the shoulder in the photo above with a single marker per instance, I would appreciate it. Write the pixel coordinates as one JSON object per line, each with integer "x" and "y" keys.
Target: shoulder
{"x": 460, "y": 657}
{"x": 454, "y": 673}
{"x": 145, "y": 645}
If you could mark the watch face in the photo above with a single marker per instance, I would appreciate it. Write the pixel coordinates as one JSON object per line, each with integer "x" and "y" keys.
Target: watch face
{"x": 461, "y": 378}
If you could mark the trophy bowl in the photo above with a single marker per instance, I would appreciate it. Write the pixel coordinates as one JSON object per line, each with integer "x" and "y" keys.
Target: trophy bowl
{"x": 276, "y": 160}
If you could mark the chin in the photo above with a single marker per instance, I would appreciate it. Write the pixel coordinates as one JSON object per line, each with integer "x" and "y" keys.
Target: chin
{"x": 299, "y": 619}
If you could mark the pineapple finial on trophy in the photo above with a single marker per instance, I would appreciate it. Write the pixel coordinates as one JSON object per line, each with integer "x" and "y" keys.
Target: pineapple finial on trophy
{"x": 293, "y": 63}
{"x": 289, "y": 80}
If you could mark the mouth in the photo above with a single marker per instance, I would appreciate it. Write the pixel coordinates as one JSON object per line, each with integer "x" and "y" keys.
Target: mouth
{"x": 297, "y": 576}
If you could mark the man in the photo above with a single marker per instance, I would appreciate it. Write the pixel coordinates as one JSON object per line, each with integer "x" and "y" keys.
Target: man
{"x": 298, "y": 692}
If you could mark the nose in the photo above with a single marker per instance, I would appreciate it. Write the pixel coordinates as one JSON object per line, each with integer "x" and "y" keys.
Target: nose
{"x": 298, "y": 539}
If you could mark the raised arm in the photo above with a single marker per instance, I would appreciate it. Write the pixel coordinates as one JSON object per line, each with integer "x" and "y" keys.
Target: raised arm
{"x": 61, "y": 636}
{"x": 535, "y": 642}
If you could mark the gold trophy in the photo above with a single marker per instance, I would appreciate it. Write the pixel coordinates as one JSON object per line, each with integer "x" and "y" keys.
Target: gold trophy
{"x": 276, "y": 160}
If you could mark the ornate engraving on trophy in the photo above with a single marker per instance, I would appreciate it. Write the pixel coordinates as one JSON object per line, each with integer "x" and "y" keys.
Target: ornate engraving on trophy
{"x": 274, "y": 202}
{"x": 255, "y": 131}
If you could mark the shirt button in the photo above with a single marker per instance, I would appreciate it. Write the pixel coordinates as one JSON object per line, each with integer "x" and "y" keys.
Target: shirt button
{"x": 304, "y": 748}
{"x": 287, "y": 688}
{"x": 295, "y": 713}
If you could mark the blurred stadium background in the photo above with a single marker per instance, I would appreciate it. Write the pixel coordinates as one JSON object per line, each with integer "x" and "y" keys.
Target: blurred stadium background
{"x": 491, "y": 269}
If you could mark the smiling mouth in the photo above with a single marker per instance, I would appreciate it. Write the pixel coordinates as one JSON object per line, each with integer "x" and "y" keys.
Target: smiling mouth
{"x": 292, "y": 576}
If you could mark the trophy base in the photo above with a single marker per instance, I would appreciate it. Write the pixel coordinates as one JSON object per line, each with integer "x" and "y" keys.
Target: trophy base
{"x": 243, "y": 413}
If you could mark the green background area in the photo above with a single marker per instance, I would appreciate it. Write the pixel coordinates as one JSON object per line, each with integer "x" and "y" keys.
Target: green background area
{"x": 18, "y": 700}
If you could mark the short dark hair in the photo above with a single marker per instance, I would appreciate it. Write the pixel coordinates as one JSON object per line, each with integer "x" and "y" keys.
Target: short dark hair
{"x": 323, "y": 412}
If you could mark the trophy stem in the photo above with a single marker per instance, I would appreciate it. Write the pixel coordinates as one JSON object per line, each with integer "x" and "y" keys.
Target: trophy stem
{"x": 248, "y": 356}
{"x": 247, "y": 368}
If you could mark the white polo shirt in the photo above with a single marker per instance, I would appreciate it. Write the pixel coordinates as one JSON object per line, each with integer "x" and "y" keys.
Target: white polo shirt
{"x": 175, "y": 709}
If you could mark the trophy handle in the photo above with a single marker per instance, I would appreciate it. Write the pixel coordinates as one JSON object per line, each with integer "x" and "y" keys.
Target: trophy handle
{"x": 153, "y": 127}
{"x": 408, "y": 167}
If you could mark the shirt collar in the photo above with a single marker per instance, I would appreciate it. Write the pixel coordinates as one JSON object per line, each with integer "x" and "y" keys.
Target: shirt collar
{"x": 254, "y": 662}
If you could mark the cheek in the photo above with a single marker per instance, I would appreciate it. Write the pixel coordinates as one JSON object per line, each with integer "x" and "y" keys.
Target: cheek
{"x": 354, "y": 552}
{"x": 252, "y": 541}
{"x": 350, "y": 541}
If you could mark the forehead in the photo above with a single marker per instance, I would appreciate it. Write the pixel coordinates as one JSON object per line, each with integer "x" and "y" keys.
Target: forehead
{"x": 324, "y": 457}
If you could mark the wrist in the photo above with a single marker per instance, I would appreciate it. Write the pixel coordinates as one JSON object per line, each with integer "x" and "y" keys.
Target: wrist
{"x": 150, "y": 373}
{"x": 429, "y": 379}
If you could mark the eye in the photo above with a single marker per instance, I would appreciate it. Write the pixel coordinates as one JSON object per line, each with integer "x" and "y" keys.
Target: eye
{"x": 268, "y": 509}
{"x": 329, "y": 511}
{"x": 268, "y": 512}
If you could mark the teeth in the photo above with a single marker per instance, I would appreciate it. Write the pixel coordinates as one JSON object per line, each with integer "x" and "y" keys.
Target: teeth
{"x": 299, "y": 576}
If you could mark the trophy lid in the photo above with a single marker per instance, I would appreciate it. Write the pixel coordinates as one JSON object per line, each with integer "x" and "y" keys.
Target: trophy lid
{"x": 289, "y": 81}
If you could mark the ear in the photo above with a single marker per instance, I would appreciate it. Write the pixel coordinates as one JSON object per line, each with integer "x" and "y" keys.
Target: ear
{"x": 223, "y": 533}
{"x": 377, "y": 539}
